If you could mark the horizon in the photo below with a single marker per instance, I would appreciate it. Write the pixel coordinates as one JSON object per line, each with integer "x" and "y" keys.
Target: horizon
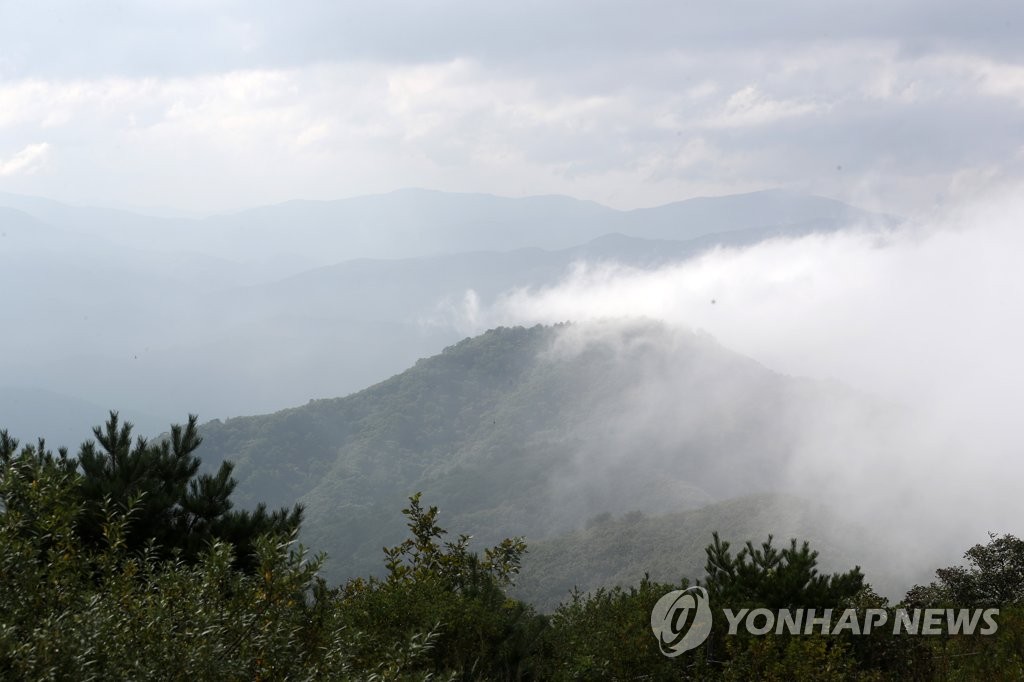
{"x": 161, "y": 212}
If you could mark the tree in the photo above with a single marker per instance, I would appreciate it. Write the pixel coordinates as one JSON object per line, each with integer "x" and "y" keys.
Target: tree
{"x": 175, "y": 510}
{"x": 606, "y": 635}
{"x": 994, "y": 576}
{"x": 439, "y": 586}
{"x": 766, "y": 577}
{"x": 98, "y": 610}
{"x": 774, "y": 579}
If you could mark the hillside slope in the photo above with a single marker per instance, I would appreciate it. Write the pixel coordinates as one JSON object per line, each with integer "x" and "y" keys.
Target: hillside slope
{"x": 620, "y": 551}
{"x": 527, "y": 431}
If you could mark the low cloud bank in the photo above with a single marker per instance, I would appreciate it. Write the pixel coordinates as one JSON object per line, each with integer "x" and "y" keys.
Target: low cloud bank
{"x": 928, "y": 319}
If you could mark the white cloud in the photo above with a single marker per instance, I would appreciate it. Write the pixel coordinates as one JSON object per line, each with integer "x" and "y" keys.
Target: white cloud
{"x": 877, "y": 310}
{"x": 751, "y": 107}
{"x": 647, "y": 129}
{"x": 998, "y": 78}
{"x": 926, "y": 318}
{"x": 27, "y": 161}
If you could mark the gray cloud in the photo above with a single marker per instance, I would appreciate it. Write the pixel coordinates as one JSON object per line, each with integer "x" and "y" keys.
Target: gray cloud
{"x": 213, "y": 106}
{"x": 97, "y": 38}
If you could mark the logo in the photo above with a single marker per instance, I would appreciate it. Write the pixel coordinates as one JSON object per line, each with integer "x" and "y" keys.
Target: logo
{"x": 681, "y": 620}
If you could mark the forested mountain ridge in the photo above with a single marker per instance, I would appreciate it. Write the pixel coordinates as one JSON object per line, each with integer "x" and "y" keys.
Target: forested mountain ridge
{"x": 618, "y": 551}
{"x": 528, "y": 431}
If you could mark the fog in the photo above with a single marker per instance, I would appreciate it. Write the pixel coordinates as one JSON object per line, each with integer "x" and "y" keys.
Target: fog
{"x": 911, "y": 331}
{"x": 254, "y": 312}
{"x": 925, "y": 319}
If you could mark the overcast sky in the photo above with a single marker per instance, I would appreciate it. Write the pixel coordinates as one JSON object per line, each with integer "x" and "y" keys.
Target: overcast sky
{"x": 210, "y": 105}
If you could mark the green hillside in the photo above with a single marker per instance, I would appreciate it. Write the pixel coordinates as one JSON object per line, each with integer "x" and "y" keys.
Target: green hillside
{"x": 620, "y": 551}
{"x": 525, "y": 431}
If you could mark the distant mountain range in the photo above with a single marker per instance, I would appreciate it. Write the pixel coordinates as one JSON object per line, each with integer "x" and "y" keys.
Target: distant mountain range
{"x": 254, "y": 311}
{"x": 410, "y": 223}
{"x": 414, "y": 223}
{"x": 31, "y": 413}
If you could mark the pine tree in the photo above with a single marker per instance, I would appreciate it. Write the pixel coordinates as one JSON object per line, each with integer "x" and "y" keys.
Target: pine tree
{"x": 775, "y": 579}
{"x": 174, "y": 508}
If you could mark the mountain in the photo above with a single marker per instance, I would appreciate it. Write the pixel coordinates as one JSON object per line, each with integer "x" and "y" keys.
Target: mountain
{"x": 620, "y": 551}
{"x": 256, "y": 347}
{"x": 85, "y": 223}
{"x": 228, "y": 316}
{"x": 19, "y": 228}
{"x": 413, "y": 223}
{"x": 30, "y": 413}
{"x": 528, "y": 431}
{"x": 775, "y": 208}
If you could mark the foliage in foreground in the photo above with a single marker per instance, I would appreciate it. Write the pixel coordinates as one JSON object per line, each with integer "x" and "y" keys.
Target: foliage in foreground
{"x": 84, "y": 595}
{"x": 71, "y": 610}
{"x": 175, "y": 511}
